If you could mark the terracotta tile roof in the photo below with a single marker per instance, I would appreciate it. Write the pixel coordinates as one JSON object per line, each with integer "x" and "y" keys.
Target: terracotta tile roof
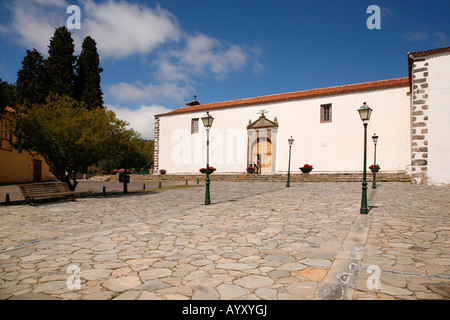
{"x": 9, "y": 109}
{"x": 420, "y": 54}
{"x": 298, "y": 95}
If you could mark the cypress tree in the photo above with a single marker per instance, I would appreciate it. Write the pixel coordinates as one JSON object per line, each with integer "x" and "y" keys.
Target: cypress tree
{"x": 30, "y": 85}
{"x": 87, "y": 81}
{"x": 59, "y": 65}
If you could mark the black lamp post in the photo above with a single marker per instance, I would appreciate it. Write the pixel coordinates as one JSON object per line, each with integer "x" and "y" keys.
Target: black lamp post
{"x": 364, "y": 112}
{"x": 207, "y": 122}
{"x": 375, "y": 140}
{"x": 125, "y": 177}
{"x": 291, "y": 141}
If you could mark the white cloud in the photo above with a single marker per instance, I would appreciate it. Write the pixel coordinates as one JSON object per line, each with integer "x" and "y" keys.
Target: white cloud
{"x": 34, "y": 21}
{"x": 122, "y": 29}
{"x": 437, "y": 39}
{"x": 205, "y": 54}
{"x": 138, "y": 92}
{"x": 141, "y": 119}
{"x": 417, "y": 36}
{"x": 441, "y": 39}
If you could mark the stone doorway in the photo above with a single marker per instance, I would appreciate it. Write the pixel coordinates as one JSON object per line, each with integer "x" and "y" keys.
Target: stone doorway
{"x": 262, "y": 151}
{"x": 262, "y": 137}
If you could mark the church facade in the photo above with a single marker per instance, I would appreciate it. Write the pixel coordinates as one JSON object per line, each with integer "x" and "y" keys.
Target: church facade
{"x": 411, "y": 117}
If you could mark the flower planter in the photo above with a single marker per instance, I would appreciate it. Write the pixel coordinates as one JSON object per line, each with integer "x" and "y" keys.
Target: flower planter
{"x": 306, "y": 169}
{"x": 251, "y": 170}
{"x": 211, "y": 170}
{"x": 375, "y": 169}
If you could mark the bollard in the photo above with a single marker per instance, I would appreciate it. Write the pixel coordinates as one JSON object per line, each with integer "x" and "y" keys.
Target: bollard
{"x": 159, "y": 184}
{"x": 186, "y": 182}
{"x": 197, "y": 181}
{"x": 143, "y": 186}
{"x": 7, "y": 198}
{"x": 104, "y": 190}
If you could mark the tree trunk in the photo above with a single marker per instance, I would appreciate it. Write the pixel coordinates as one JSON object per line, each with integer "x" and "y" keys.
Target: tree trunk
{"x": 74, "y": 181}
{"x": 72, "y": 184}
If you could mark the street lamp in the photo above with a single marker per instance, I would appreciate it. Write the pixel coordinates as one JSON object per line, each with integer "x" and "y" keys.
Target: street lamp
{"x": 207, "y": 122}
{"x": 125, "y": 177}
{"x": 375, "y": 140}
{"x": 364, "y": 112}
{"x": 291, "y": 141}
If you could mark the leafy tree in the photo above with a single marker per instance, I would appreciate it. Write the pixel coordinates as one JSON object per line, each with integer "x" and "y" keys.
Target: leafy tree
{"x": 60, "y": 64}
{"x": 139, "y": 156}
{"x": 87, "y": 81}
{"x": 70, "y": 136}
{"x": 31, "y": 79}
{"x": 148, "y": 151}
{"x": 7, "y": 95}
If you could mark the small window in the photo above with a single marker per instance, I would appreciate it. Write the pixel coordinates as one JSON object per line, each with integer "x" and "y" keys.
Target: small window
{"x": 325, "y": 112}
{"x": 194, "y": 125}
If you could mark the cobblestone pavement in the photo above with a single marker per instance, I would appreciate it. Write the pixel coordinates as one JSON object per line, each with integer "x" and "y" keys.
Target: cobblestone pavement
{"x": 89, "y": 187}
{"x": 256, "y": 241}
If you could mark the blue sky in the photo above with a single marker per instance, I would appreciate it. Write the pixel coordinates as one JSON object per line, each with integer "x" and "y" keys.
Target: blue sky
{"x": 157, "y": 54}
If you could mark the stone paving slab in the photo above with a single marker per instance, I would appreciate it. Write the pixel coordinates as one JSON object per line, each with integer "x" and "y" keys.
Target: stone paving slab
{"x": 256, "y": 241}
{"x": 86, "y": 187}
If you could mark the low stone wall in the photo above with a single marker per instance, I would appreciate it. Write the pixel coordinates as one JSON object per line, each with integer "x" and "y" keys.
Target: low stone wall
{"x": 309, "y": 177}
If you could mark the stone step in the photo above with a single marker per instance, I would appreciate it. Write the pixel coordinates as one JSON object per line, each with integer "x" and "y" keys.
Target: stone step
{"x": 297, "y": 177}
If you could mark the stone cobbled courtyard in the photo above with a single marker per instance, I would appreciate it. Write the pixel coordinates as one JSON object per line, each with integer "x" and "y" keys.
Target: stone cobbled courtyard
{"x": 258, "y": 240}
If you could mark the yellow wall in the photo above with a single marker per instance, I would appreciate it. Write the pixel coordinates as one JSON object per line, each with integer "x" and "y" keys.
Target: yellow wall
{"x": 18, "y": 167}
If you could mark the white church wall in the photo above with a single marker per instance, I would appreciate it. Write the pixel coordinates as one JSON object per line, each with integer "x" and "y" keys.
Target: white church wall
{"x": 438, "y": 170}
{"x": 184, "y": 152}
{"x": 329, "y": 147}
{"x": 338, "y": 146}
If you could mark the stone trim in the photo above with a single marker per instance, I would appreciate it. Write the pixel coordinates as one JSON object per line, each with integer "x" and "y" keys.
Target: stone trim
{"x": 156, "y": 149}
{"x": 192, "y": 178}
{"x": 419, "y": 121}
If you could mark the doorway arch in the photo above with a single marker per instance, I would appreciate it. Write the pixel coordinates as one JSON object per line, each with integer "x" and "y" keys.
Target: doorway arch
{"x": 262, "y": 143}
{"x": 262, "y": 151}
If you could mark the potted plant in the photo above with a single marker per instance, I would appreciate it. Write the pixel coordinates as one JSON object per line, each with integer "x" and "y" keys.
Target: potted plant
{"x": 306, "y": 168}
{"x": 211, "y": 170}
{"x": 162, "y": 171}
{"x": 251, "y": 170}
{"x": 374, "y": 168}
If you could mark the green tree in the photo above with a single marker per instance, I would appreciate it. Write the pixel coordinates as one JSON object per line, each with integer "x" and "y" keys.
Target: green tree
{"x": 148, "y": 151}
{"x": 139, "y": 157}
{"x": 70, "y": 136}
{"x": 60, "y": 64}
{"x": 87, "y": 80}
{"x": 31, "y": 79}
{"x": 7, "y": 95}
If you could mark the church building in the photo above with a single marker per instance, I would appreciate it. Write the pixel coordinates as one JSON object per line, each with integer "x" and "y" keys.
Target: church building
{"x": 411, "y": 117}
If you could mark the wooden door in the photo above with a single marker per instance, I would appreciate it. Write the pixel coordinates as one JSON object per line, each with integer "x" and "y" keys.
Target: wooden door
{"x": 37, "y": 170}
{"x": 263, "y": 150}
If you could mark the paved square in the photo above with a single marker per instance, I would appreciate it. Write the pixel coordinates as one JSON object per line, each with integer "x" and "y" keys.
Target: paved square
{"x": 256, "y": 241}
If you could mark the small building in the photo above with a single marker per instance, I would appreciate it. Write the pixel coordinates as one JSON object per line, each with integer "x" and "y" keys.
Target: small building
{"x": 18, "y": 167}
{"x": 410, "y": 115}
